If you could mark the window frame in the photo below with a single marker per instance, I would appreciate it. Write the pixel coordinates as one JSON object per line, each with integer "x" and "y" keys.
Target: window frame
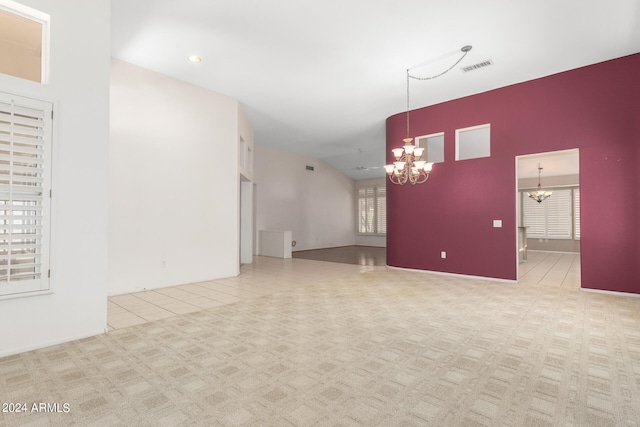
{"x": 41, "y": 285}
{"x": 425, "y": 139}
{"x": 461, "y": 131}
{"x": 44, "y": 20}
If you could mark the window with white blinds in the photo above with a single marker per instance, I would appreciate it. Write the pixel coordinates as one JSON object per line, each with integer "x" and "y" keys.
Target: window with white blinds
{"x": 366, "y": 210}
{"x": 381, "y": 210}
{"x": 372, "y": 210}
{"x": 25, "y": 170}
{"x": 576, "y": 213}
{"x": 554, "y": 218}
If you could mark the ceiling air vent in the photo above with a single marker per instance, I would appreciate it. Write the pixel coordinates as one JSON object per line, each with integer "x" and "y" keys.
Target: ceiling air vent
{"x": 478, "y": 65}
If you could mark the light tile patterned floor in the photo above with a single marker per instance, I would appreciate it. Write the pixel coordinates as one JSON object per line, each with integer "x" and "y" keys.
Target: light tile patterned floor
{"x": 555, "y": 269}
{"x": 269, "y": 275}
{"x": 383, "y": 348}
{"x": 264, "y": 277}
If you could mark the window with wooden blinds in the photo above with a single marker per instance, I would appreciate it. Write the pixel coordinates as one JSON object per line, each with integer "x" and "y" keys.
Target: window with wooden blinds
{"x": 25, "y": 197}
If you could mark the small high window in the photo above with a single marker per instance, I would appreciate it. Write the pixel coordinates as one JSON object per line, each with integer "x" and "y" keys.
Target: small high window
{"x": 473, "y": 142}
{"x": 23, "y": 41}
{"x": 433, "y": 147}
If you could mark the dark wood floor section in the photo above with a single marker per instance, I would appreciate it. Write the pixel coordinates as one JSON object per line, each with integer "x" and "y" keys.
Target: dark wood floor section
{"x": 356, "y": 255}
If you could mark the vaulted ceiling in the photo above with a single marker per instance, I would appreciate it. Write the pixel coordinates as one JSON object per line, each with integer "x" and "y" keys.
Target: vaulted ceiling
{"x": 319, "y": 78}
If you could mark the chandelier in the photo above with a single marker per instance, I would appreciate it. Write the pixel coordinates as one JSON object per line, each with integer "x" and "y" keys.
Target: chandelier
{"x": 539, "y": 195}
{"x": 408, "y": 166}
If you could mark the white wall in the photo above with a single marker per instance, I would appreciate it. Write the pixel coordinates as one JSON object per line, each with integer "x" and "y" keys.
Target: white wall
{"x": 317, "y": 206}
{"x": 173, "y": 182}
{"x": 79, "y": 87}
{"x": 246, "y": 133}
{"x": 247, "y": 220}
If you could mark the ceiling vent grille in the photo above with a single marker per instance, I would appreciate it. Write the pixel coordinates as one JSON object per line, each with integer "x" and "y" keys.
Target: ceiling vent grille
{"x": 478, "y": 65}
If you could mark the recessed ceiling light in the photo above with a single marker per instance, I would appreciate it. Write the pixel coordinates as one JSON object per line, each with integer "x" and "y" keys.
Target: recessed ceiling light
{"x": 195, "y": 58}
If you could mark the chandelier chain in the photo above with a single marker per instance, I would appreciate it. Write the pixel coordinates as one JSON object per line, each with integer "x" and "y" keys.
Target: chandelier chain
{"x": 442, "y": 73}
{"x": 408, "y": 166}
{"x": 408, "y": 103}
{"x": 409, "y": 76}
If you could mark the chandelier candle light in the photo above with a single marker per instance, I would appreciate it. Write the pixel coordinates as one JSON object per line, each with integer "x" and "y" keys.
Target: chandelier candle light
{"x": 539, "y": 195}
{"x": 408, "y": 166}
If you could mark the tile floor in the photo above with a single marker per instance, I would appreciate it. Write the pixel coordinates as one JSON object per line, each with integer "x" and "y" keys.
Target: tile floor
{"x": 551, "y": 269}
{"x": 265, "y": 276}
{"x": 269, "y": 275}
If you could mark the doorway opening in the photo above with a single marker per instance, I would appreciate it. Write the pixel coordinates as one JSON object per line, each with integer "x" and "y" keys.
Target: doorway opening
{"x": 548, "y": 230}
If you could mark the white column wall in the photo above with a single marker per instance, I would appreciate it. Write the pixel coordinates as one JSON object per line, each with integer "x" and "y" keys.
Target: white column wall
{"x": 79, "y": 87}
{"x": 173, "y": 182}
{"x": 317, "y": 206}
{"x": 246, "y": 222}
{"x": 246, "y": 207}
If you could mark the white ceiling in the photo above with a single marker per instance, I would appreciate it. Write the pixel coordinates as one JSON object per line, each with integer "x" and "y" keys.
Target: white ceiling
{"x": 556, "y": 163}
{"x": 319, "y": 78}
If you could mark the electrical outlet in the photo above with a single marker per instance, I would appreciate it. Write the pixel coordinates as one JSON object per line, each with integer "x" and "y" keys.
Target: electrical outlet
{"x": 497, "y": 223}
{"x": 443, "y": 254}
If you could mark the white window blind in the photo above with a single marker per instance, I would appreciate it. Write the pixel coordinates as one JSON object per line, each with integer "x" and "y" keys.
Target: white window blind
{"x": 25, "y": 169}
{"x": 372, "y": 210}
{"x": 553, "y": 218}
{"x": 366, "y": 210}
{"x": 576, "y": 213}
{"x": 534, "y": 217}
{"x": 559, "y": 215}
{"x": 381, "y": 210}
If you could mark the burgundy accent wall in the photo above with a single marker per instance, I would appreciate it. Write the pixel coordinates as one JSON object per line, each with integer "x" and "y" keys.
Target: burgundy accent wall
{"x": 595, "y": 109}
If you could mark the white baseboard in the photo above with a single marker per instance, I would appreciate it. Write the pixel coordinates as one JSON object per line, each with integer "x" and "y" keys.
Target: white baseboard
{"x": 553, "y": 252}
{"x": 614, "y": 293}
{"x": 462, "y": 276}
